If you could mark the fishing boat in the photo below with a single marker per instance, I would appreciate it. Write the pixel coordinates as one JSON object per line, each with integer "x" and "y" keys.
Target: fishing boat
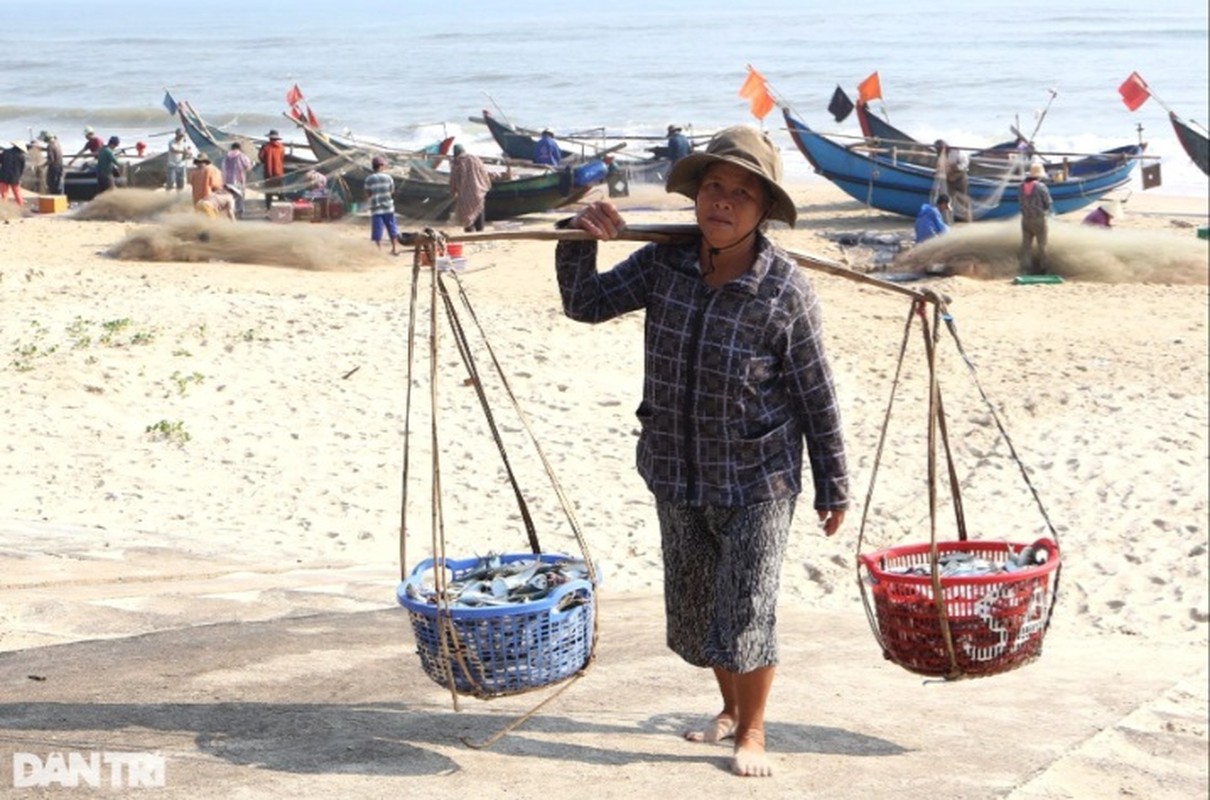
{"x": 879, "y": 178}
{"x": 348, "y": 163}
{"x": 514, "y": 142}
{"x": 881, "y": 133}
{"x": 215, "y": 142}
{"x": 423, "y": 193}
{"x": 150, "y": 172}
{"x": 1193, "y": 140}
{"x": 518, "y": 144}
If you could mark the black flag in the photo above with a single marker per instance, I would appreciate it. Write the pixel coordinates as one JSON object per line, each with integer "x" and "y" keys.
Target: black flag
{"x": 841, "y": 106}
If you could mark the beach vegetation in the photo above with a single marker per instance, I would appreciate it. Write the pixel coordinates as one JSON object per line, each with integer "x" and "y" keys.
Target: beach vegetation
{"x": 27, "y": 352}
{"x": 183, "y": 381}
{"x": 165, "y": 431}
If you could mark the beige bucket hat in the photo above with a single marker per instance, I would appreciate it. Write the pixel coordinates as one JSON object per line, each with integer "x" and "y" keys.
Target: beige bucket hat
{"x": 743, "y": 146}
{"x": 1036, "y": 170}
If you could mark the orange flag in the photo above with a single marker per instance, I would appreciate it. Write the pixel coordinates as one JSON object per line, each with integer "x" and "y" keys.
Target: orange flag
{"x": 870, "y": 88}
{"x": 757, "y": 94}
{"x": 1134, "y": 91}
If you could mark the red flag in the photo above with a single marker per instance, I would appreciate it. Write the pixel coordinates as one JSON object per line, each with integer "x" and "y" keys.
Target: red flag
{"x": 757, "y": 94}
{"x": 870, "y": 88}
{"x": 294, "y": 95}
{"x": 311, "y": 119}
{"x": 298, "y": 115}
{"x": 1134, "y": 91}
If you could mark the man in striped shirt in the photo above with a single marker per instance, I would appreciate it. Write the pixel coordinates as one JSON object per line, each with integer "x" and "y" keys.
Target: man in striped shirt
{"x": 380, "y": 187}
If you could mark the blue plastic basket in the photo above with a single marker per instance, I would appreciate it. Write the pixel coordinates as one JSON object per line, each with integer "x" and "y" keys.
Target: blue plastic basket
{"x": 505, "y": 649}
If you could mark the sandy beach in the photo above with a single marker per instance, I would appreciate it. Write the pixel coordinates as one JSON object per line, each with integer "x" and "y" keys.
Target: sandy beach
{"x": 200, "y": 456}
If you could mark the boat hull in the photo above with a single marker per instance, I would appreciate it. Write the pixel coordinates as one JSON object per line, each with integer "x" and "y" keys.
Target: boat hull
{"x": 901, "y": 188}
{"x": 1195, "y": 144}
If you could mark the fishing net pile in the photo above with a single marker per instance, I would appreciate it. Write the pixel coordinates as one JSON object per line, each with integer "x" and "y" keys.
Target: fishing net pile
{"x": 133, "y": 205}
{"x": 195, "y": 238}
{"x": 1076, "y": 252}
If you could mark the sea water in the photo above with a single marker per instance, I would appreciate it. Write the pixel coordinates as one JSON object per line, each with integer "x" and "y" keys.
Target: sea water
{"x": 409, "y": 73}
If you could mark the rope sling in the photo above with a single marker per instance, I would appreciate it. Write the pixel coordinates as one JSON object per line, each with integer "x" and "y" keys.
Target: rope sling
{"x": 1026, "y": 646}
{"x": 455, "y": 655}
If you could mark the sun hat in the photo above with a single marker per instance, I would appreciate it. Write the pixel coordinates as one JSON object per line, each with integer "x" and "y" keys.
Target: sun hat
{"x": 20, "y": 146}
{"x": 273, "y": 134}
{"x": 88, "y": 131}
{"x": 201, "y": 158}
{"x": 1036, "y": 170}
{"x": 674, "y": 128}
{"x": 745, "y": 147}
{"x": 1112, "y": 207}
{"x": 46, "y": 136}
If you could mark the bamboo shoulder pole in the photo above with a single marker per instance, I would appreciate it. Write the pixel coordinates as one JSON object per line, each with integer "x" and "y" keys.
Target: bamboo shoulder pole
{"x": 666, "y": 234}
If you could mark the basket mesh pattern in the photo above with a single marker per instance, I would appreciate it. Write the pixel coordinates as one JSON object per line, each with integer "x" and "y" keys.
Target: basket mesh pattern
{"x": 505, "y": 649}
{"x": 996, "y": 622}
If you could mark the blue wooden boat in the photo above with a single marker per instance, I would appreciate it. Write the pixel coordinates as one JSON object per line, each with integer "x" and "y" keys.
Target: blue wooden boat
{"x": 880, "y": 180}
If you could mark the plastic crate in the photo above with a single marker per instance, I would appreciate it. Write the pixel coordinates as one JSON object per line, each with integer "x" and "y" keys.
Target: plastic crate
{"x": 505, "y": 649}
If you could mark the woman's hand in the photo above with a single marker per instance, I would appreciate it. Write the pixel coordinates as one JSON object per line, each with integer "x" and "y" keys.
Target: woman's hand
{"x": 601, "y": 219}
{"x": 830, "y": 520}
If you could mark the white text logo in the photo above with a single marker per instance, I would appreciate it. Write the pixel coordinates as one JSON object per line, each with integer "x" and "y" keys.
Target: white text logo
{"x": 115, "y": 769}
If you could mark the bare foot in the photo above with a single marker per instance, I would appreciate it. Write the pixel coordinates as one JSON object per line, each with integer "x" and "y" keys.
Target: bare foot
{"x": 719, "y": 728}
{"x": 750, "y": 759}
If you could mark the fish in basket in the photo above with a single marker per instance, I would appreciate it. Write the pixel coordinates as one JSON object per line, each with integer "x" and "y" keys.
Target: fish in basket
{"x": 501, "y": 624}
{"x": 995, "y": 605}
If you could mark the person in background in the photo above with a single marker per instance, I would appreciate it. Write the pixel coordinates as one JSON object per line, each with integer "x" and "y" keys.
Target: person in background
{"x": 235, "y": 175}
{"x": 108, "y": 166}
{"x": 272, "y": 156}
{"x": 469, "y": 183}
{"x": 952, "y": 167}
{"x": 92, "y": 145}
{"x": 930, "y": 220}
{"x": 12, "y": 166}
{"x": 678, "y": 144}
{"x": 736, "y": 381}
{"x": 380, "y": 189}
{"x": 218, "y": 204}
{"x": 546, "y": 150}
{"x": 179, "y": 152}
{"x": 1035, "y": 205}
{"x": 1101, "y": 216}
{"x": 54, "y": 162}
{"x": 204, "y": 179}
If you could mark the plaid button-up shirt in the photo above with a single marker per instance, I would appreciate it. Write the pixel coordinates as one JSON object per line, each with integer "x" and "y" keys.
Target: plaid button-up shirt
{"x": 735, "y": 377}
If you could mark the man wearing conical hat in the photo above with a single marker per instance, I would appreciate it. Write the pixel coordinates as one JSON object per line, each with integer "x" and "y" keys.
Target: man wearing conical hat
{"x": 1035, "y": 205}
{"x": 736, "y": 382}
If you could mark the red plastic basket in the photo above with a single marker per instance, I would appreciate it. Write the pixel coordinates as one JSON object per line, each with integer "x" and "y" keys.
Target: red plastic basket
{"x": 994, "y": 622}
